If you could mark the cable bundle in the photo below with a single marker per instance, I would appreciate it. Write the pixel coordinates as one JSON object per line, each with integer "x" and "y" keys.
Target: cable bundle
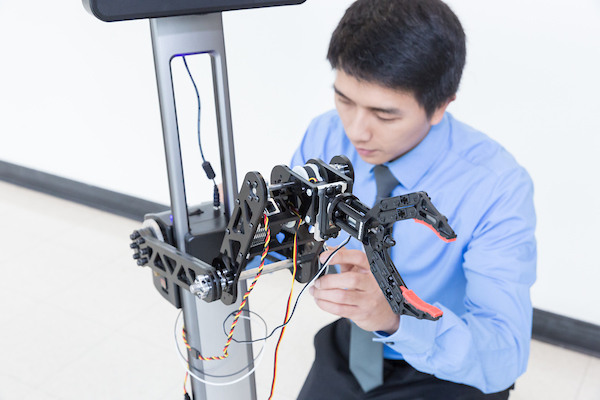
{"x": 287, "y": 318}
{"x": 244, "y": 299}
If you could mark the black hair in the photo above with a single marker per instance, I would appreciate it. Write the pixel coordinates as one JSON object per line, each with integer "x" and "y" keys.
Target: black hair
{"x": 416, "y": 46}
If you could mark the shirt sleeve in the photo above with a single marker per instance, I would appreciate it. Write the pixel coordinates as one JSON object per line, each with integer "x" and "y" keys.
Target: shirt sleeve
{"x": 488, "y": 345}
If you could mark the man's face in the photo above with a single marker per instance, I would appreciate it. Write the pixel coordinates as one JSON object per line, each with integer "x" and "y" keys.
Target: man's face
{"x": 382, "y": 124}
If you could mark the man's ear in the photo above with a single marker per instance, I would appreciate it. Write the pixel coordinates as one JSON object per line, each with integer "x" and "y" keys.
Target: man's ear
{"x": 438, "y": 114}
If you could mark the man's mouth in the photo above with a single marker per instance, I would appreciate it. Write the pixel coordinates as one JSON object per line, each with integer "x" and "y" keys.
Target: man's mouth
{"x": 364, "y": 152}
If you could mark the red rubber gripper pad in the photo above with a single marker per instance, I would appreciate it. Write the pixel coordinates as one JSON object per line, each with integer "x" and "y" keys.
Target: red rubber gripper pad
{"x": 411, "y": 298}
{"x": 434, "y": 231}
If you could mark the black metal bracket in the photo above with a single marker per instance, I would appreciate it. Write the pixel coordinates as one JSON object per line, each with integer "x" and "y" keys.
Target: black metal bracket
{"x": 175, "y": 268}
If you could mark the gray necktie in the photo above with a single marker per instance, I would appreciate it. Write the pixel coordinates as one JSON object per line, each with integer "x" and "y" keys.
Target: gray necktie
{"x": 366, "y": 356}
{"x": 386, "y": 182}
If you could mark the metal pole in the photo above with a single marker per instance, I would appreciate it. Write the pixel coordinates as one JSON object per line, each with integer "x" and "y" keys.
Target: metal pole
{"x": 177, "y": 36}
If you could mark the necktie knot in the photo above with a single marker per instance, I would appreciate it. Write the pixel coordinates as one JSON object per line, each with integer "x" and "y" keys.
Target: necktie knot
{"x": 385, "y": 181}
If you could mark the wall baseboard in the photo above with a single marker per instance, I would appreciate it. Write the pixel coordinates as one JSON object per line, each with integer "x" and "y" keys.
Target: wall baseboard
{"x": 92, "y": 196}
{"x": 551, "y": 328}
{"x": 566, "y": 332}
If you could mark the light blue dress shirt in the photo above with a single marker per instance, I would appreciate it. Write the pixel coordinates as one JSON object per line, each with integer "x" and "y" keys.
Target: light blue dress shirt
{"x": 482, "y": 280}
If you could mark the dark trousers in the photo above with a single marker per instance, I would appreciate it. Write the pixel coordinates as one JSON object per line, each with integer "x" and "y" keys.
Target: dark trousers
{"x": 330, "y": 376}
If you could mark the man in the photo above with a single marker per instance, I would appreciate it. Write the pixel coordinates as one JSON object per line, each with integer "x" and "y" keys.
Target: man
{"x": 398, "y": 65}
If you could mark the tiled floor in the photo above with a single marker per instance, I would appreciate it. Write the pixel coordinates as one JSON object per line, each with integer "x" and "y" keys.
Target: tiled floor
{"x": 79, "y": 320}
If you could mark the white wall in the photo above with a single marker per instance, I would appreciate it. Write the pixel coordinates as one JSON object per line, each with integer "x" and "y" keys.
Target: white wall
{"x": 78, "y": 99}
{"x": 532, "y": 82}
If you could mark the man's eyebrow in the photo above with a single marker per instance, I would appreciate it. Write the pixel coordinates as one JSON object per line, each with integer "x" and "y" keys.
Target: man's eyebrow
{"x": 340, "y": 93}
{"x": 393, "y": 111}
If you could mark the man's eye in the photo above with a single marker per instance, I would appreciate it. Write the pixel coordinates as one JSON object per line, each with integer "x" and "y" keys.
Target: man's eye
{"x": 382, "y": 119}
{"x": 343, "y": 100}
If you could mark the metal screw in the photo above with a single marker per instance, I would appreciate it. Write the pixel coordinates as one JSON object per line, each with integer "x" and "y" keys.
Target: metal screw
{"x": 389, "y": 241}
{"x": 307, "y": 219}
{"x": 309, "y": 192}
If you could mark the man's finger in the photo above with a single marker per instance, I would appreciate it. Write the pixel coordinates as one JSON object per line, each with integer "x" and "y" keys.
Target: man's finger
{"x": 353, "y": 268}
{"x": 345, "y": 256}
{"x": 341, "y": 310}
{"x": 325, "y": 255}
{"x": 339, "y": 296}
{"x": 353, "y": 280}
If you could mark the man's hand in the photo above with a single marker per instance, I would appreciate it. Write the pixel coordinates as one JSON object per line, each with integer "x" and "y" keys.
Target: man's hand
{"x": 354, "y": 293}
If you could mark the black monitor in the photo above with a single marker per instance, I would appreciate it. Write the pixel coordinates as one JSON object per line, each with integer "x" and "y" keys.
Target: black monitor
{"x": 121, "y": 10}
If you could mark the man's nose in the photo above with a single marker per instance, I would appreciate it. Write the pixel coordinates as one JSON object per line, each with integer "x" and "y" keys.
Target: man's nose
{"x": 360, "y": 129}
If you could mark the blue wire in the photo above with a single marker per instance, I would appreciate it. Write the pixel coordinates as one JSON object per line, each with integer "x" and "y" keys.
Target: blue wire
{"x": 199, "y": 105}
{"x": 199, "y": 110}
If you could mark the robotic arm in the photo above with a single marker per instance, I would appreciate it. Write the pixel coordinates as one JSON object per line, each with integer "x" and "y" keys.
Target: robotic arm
{"x": 315, "y": 200}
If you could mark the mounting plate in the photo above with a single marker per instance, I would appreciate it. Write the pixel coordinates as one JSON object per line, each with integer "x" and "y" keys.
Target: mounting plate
{"x": 122, "y": 10}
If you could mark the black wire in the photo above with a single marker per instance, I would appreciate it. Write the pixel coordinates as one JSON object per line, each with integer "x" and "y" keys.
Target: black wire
{"x": 232, "y": 374}
{"x": 295, "y": 304}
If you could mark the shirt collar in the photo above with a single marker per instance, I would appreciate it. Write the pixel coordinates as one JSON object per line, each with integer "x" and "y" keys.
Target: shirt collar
{"x": 412, "y": 166}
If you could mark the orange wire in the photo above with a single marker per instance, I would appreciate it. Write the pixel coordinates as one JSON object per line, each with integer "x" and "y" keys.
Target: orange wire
{"x": 286, "y": 319}
{"x": 244, "y": 300}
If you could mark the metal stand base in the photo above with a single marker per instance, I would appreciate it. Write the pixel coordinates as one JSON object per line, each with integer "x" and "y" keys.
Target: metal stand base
{"x": 177, "y": 36}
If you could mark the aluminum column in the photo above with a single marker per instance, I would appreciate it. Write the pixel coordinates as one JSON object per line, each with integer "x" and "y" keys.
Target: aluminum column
{"x": 187, "y": 35}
